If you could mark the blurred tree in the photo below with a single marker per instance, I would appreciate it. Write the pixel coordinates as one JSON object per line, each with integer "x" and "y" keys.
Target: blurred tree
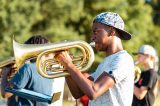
{"x": 25, "y": 18}
{"x": 156, "y": 11}
{"x": 71, "y": 20}
{"x": 16, "y": 18}
{"x": 57, "y": 18}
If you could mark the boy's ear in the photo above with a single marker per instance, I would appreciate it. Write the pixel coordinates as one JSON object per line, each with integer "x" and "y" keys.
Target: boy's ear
{"x": 112, "y": 31}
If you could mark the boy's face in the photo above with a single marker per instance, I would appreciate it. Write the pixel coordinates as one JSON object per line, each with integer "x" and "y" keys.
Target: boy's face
{"x": 100, "y": 35}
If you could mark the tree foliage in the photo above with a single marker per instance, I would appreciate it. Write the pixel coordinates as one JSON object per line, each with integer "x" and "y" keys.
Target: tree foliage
{"x": 71, "y": 20}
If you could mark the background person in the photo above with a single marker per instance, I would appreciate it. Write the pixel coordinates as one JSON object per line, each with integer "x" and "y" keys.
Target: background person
{"x": 146, "y": 89}
{"x": 28, "y": 78}
{"x": 112, "y": 82}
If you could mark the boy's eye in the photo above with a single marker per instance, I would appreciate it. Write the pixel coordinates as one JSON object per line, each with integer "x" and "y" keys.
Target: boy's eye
{"x": 96, "y": 31}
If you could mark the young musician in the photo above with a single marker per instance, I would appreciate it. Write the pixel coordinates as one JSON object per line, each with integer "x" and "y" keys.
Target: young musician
{"x": 112, "y": 82}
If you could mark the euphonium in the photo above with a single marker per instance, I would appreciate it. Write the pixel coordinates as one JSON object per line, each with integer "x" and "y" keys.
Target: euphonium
{"x": 51, "y": 68}
{"x": 137, "y": 73}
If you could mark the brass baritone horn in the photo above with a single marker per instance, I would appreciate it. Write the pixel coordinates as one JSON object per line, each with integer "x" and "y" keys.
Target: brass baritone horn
{"x": 137, "y": 74}
{"x": 51, "y": 68}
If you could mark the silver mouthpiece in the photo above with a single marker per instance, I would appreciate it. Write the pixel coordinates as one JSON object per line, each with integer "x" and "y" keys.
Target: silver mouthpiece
{"x": 92, "y": 44}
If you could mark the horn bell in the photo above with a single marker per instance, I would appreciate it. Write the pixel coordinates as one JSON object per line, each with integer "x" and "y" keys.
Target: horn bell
{"x": 47, "y": 68}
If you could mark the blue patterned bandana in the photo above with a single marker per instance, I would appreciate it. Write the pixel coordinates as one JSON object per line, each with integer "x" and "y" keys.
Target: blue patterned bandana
{"x": 114, "y": 20}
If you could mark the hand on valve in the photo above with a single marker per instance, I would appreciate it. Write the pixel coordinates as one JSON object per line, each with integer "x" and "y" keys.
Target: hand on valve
{"x": 64, "y": 58}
